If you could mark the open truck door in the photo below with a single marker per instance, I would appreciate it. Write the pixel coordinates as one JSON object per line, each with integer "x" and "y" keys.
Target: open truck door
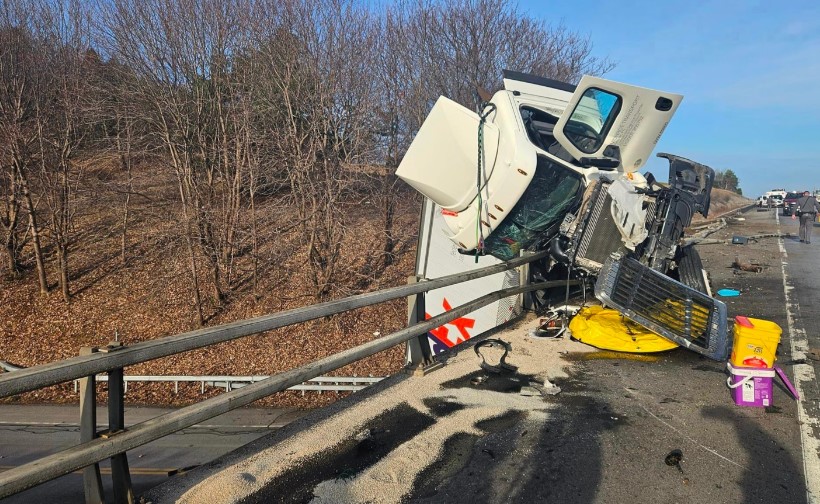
{"x": 608, "y": 120}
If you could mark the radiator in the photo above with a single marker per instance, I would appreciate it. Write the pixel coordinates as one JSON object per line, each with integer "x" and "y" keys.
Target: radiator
{"x": 597, "y": 237}
{"x": 667, "y": 307}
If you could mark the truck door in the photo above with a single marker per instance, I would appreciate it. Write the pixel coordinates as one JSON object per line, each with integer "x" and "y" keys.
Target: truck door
{"x": 614, "y": 120}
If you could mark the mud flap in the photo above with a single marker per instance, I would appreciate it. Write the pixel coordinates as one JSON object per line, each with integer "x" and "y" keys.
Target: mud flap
{"x": 665, "y": 306}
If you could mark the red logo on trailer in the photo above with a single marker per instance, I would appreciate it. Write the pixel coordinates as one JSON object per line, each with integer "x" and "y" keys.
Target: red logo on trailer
{"x": 461, "y": 325}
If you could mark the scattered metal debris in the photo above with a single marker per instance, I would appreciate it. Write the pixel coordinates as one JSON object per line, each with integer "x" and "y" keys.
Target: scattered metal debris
{"x": 363, "y": 435}
{"x": 736, "y": 240}
{"x": 478, "y": 380}
{"x": 554, "y": 324}
{"x": 544, "y": 389}
{"x": 502, "y": 365}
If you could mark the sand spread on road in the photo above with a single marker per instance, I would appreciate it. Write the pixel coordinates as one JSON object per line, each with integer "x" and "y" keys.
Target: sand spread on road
{"x": 392, "y": 477}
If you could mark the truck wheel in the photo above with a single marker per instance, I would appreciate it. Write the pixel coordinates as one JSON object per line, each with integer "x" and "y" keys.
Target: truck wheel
{"x": 690, "y": 269}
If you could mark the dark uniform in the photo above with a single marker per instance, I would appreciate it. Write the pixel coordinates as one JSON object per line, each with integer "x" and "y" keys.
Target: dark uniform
{"x": 807, "y": 208}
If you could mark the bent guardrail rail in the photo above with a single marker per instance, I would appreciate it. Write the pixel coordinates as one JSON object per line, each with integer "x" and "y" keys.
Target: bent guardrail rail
{"x": 112, "y": 359}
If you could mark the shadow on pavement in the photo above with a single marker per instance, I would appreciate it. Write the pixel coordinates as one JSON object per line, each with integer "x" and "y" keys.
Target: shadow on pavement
{"x": 772, "y": 474}
{"x": 556, "y": 460}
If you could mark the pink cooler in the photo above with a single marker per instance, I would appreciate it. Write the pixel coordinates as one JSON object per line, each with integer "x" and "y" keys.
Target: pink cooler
{"x": 751, "y": 386}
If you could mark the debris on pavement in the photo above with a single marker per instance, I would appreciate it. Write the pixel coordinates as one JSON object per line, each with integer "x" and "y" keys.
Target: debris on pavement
{"x": 478, "y": 380}
{"x": 502, "y": 365}
{"x": 550, "y": 388}
{"x": 728, "y": 293}
{"x": 744, "y": 266}
{"x": 674, "y": 458}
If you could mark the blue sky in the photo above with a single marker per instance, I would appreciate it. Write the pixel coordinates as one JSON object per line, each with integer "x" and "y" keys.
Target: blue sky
{"x": 749, "y": 72}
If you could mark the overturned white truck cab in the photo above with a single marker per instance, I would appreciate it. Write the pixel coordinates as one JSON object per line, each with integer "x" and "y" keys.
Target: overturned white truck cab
{"x": 550, "y": 165}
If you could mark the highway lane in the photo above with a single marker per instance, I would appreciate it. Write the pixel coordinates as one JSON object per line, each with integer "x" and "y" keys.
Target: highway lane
{"x": 801, "y": 273}
{"x": 33, "y": 431}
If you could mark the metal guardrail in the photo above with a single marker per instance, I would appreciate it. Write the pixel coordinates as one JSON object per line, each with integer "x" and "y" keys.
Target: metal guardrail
{"x": 36, "y": 377}
{"x": 117, "y": 441}
{"x": 318, "y": 384}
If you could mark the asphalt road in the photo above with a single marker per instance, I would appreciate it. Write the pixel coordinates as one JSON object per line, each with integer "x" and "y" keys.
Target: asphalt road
{"x": 33, "y": 431}
{"x": 621, "y": 416}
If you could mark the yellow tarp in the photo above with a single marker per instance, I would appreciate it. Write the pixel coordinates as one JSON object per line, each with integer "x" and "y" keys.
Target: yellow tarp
{"x": 608, "y": 329}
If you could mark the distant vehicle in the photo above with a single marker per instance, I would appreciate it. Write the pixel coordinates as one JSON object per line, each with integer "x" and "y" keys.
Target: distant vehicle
{"x": 776, "y": 200}
{"x": 762, "y": 201}
{"x": 781, "y": 192}
{"x": 790, "y": 202}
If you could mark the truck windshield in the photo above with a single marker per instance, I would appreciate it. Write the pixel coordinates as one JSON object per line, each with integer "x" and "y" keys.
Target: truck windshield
{"x": 536, "y": 217}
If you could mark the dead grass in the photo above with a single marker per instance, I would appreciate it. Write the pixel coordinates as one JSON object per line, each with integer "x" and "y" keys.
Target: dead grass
{"x": 723, "y": 201}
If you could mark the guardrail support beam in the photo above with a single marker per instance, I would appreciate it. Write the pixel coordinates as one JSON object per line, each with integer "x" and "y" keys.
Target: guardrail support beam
{"x": 419, "y": 356}
{"x": 92, "y": 481}
{"x": 120, "y": 474}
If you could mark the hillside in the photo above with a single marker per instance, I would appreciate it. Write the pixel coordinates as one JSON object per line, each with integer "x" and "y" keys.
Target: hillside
{"x": 724, "y": 201}
{"x": 148, "y": 295}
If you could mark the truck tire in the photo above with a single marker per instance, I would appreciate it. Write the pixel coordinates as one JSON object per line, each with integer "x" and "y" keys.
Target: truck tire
{"x": 690, "y": 269}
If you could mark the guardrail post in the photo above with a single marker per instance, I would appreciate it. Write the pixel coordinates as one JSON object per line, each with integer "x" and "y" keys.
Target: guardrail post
{"x": 120, "y": 475}
{"x": 419, "y": 356}
{"x": 92, "y": 481}
{"x": 525, "y": 300}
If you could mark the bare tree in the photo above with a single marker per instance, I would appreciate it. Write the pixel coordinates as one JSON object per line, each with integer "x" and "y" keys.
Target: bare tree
{"x": 318, "y": 72}
{"x": 21, "y": 94}
{"x": 271, "y": 116}
{"x": 183, "y": 52}
{"x": 64, "y": 27}
{"x": 14, "y": 49}
{"x": 461, "y": 45}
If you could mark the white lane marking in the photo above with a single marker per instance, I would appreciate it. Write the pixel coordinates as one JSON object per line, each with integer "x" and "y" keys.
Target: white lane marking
{"x": 802, "y": 374}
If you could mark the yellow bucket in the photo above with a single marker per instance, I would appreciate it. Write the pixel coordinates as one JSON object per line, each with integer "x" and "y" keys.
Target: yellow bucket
{"x": 755, "y": 342}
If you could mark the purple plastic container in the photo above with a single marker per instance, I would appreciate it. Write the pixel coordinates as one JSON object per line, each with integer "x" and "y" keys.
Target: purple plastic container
{"x": 751, "y": 386}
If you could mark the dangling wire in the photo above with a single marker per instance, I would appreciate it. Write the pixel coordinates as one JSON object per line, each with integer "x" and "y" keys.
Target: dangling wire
{"x": 487, "y": 108}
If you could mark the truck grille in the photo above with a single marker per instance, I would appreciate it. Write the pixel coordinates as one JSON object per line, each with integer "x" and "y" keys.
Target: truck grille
{"x": 669, "y": 308}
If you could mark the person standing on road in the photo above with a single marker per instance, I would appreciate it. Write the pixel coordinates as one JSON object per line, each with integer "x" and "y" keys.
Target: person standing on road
{"x": 807, "y": 208}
